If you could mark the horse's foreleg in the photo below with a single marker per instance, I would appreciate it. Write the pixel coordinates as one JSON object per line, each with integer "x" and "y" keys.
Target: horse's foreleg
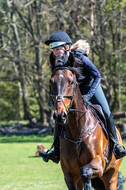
{"x": 69, "y": 181}
{"x": 93, "y": 169}
{"x": 87, "y": 185}
{"x": 86, "y": 174}
{"x": 80, "y": 185}
{"x": 110, "y": 179}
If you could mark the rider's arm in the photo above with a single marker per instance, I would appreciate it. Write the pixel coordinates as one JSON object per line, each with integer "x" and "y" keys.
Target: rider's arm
{"x": 92, "y": 70}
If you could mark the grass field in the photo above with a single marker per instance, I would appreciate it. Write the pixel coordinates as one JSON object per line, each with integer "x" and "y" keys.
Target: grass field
{"x": 21, "y": 170}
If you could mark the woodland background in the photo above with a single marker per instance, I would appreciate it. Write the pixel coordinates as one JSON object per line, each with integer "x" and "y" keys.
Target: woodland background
{"x": 24, "y": 58}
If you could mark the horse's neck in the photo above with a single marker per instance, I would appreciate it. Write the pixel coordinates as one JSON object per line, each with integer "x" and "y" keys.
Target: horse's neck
{"x": 78, "y": 101}
{"x": 76, "y": 119}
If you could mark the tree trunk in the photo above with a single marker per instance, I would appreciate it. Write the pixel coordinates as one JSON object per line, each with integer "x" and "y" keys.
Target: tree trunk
{"x": 119, "y": 115}
{"x": 38, "y": 62}
{"x": 92, "y": 27}
{"x": 27, "y": 114}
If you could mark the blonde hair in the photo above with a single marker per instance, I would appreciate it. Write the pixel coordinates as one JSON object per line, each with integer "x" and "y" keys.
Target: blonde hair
{"x": 81, "y": 44}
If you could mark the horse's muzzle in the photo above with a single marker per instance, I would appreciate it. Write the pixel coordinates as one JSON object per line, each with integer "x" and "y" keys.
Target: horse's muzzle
{"x": 60, "y": 118}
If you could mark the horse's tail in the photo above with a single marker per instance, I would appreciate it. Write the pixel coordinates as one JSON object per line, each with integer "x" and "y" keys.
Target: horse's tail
{"x": 120, "y": 182}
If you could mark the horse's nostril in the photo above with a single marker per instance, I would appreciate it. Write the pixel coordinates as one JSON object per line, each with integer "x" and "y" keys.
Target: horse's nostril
{"x": 59, "y": 116}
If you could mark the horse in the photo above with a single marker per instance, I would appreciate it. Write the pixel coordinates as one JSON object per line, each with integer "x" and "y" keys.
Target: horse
{"x": 85, "y": 155}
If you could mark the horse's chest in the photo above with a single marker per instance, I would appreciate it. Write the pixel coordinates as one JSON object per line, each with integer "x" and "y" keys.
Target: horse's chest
{"x": 69, "y": 154}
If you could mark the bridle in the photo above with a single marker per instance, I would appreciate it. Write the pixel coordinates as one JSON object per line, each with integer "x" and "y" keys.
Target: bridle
{"x": 59, "y": 97}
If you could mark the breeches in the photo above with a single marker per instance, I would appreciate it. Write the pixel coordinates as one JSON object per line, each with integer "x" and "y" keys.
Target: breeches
{"x": 100, "y": 99}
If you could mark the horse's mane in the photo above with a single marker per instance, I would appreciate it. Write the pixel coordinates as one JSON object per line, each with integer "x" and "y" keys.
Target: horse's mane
{"x": 74, "y": 70}
{"x": 70, "y": 65}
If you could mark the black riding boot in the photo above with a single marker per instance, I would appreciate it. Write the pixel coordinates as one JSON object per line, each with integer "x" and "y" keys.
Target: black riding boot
{"x": 55, "y": 154}
{"x": 119, "y": 150}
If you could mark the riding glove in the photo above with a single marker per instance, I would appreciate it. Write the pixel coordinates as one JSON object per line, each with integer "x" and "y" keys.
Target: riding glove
{"x": 86, "y": 98}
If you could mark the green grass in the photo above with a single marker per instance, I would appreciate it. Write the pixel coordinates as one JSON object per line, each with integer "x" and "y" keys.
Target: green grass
{"x": 21, "y": 170}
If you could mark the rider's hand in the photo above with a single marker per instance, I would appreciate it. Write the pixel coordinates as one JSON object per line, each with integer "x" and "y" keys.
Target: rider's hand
{"x": 86, "y": 98}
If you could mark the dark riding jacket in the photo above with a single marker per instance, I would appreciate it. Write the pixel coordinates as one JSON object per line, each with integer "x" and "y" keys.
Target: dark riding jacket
{"x": 89, "y": 80}
{"x": 89, "y": 77}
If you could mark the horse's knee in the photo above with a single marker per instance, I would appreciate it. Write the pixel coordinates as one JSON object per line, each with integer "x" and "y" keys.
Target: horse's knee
{"x": 86, "y": 173}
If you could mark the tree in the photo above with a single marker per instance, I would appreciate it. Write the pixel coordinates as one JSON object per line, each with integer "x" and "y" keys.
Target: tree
{"x": 25, "y": 25}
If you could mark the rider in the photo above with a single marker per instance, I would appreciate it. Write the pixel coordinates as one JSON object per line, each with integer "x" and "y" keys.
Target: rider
{"x": 60, "y": 43}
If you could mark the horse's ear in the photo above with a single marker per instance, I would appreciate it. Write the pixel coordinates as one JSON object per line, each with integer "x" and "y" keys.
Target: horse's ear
{"x": 52, "y": 60}
{"x": 71, "y": 60}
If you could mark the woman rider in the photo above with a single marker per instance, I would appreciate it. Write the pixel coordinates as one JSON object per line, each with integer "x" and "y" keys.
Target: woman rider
{"x": 60, "y": 43}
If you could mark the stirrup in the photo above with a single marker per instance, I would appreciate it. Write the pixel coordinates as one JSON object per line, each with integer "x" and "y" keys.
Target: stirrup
{"x": 44, "y": 156}
{"x": 49, "y": 156}
{"x": 119, "y": 155}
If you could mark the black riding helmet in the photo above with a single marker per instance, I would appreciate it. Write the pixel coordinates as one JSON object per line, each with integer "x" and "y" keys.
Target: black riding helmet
{"x": 58, "y": 39}
{"x": 59, "y": 36}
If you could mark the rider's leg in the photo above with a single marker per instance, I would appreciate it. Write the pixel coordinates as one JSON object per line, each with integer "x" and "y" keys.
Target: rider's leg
{"x": 55, "y": 154}
{"x": 99, "y": 98}
{"x": 119, "y": 151}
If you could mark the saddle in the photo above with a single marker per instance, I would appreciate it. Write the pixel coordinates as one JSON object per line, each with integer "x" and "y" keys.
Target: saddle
{"x": 99, "y": 115}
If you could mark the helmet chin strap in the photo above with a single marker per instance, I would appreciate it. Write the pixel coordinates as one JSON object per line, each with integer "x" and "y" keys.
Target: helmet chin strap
{"x": 66, "y": 50}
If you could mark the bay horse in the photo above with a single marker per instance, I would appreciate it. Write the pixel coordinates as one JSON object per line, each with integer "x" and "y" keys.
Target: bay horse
{"x": 85, "y": 155}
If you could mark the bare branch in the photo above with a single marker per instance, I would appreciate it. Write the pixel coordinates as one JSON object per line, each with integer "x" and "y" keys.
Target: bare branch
{"x": 26, "y": 5}
{"x": 22, "y": 18}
